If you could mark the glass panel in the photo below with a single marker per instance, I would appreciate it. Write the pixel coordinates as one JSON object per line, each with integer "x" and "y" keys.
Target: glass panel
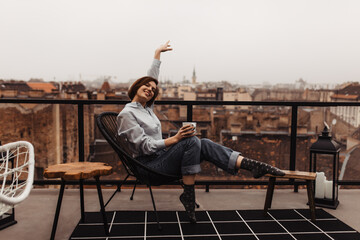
{"x": 50, "y": 128}
{"x": 171, "y": 118}
{"x": 343, "y": 123}
{"x": 310, "y": 124}
{"x": 257, "y": 132}
{"x": 99, "y": 150}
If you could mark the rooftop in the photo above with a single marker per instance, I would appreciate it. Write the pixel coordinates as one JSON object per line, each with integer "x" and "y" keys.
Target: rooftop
{"x": 35, "y": 215}
{"x": 46, "y": 87}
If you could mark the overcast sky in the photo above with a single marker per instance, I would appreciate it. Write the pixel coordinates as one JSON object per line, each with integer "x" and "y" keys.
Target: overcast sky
{"x": 252, "y": 41}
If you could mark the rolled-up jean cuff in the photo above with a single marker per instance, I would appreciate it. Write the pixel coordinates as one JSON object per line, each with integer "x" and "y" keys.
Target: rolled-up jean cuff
{"x": 192, "y": 169}
{"x": 232, "y": 162}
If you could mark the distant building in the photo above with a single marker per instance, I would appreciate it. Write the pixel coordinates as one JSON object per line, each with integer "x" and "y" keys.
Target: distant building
{"x": 209, "y": 94}
{"x": 21, "y": 89}
{"x": 73, "y": 90}
{"x": 318, "y": 95}
{"x": 238, "y": 95}
{"x": 184, "y": 89}
{"x": 13, "y": 89}
{"x": 277, "y": 94}
{"x": 107, "y": 92}
{"x": 189, "y": 96}
{"x": 105, "y": 87}
{"x": 72, "y": 87}
{"x": 167, "y": 92}
{"x": 206, "y": 95}
{"x": 350, "y": 114}
{"x": 46, "y": 87}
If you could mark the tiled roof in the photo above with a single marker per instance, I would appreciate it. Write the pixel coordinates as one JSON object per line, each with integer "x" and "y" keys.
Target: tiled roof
{"x": 20, "y": 86}
{"x": 70, "y": 87}
{"x": 105, "y": 87}
{"x": 353, "y": 89}
{"x": 345, "y": 96}
{"x": 46, "y": 87}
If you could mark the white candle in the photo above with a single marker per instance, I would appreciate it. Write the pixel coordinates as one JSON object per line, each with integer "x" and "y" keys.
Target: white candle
{"x": 328, "y": 189}
{"x": 320, "y": 185}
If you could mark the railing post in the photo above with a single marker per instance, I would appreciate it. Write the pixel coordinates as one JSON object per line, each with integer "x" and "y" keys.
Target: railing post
{"x": 189, "y": 112}
{"x": 294, "y": 113}
{"x": 81, "y": 131}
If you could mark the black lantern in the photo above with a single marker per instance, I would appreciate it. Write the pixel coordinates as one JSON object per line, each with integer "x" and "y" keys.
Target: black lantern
{"x": 326, "y": 148}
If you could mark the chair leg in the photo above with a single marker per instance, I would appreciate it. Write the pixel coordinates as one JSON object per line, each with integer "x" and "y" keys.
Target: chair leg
{"x": 153, "y": 202}
{"x": 102, "y": 208}
{"x": 124, "y": 181}
{"x": 269, "y": 194}
{"x": 58, "y": 207}
{"x": 133, "y": 191}
{"x": 118, "y": 189}
{"x": 309, "y": 187}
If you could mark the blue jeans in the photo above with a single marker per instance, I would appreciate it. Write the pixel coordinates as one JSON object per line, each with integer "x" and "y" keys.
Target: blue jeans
{"x": 184, "y": 157}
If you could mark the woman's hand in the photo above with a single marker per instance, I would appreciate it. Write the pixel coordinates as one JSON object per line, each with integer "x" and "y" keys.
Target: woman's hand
{"x": 184, "y": 132}
{"x": 163, "y": 48}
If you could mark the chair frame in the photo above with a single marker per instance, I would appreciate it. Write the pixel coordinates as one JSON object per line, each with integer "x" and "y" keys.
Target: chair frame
{"x": 13, "y": 195}
{"x": 107, "y": 125}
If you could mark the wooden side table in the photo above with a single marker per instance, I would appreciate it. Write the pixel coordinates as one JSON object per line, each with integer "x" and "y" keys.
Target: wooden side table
{"x": 309, "y": 177}
{"x": 78, "y": 171}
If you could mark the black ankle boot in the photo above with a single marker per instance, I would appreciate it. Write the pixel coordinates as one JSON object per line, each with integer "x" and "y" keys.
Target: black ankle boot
{"x": 259, "y": 169}
{"x": 187, "y": 198}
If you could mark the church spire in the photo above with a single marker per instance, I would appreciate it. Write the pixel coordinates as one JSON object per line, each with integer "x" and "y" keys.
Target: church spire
{"x": 194, "y": 76}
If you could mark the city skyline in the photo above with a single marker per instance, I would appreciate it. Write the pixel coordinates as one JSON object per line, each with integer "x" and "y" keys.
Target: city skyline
{"x": 242, "y": 42}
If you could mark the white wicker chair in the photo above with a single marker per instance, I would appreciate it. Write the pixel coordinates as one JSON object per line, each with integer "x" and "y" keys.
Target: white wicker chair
{"x": 16, "y": 173}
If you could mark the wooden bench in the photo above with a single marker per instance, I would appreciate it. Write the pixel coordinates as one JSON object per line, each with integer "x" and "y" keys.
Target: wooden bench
{"x": 309, "y": 177}
{"x": 78, "y": 171}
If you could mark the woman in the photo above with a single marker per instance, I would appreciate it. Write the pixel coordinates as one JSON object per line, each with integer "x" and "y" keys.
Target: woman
{"x": 180, "y": 154}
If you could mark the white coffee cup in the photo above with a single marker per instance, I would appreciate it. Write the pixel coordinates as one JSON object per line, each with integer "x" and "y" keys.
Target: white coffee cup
{"x": 189, "y": 123}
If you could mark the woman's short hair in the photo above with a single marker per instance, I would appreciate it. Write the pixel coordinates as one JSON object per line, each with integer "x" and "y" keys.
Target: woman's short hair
{"x": 138, "y": 83}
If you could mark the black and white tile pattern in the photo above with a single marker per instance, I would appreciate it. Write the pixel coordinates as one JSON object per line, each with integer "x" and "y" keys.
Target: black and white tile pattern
{"x": 226, "y": 225}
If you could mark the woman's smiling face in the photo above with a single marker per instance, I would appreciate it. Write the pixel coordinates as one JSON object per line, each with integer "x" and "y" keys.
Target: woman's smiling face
{"x": 146, "y": 92}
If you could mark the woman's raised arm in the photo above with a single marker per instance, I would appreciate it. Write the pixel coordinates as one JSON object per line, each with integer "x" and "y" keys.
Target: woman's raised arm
{"x": 163, "y": 48}
{"x": 155, "y": 66}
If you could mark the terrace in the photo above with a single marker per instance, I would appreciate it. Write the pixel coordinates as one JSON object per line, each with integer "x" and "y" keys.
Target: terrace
{"x": 37, "y": 224}
{"x": 34, "y": 223}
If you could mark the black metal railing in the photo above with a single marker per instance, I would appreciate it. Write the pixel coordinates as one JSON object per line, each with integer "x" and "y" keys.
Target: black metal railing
{"x": 293, "y": 135}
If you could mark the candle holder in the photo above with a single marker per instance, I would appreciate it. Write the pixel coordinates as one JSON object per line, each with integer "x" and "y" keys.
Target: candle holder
{"x": 326, "y": 148}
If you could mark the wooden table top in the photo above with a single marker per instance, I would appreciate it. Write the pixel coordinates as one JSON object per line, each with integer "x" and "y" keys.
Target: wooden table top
{"x": 296, "y": 175}
{"x": 78, "y": 170}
